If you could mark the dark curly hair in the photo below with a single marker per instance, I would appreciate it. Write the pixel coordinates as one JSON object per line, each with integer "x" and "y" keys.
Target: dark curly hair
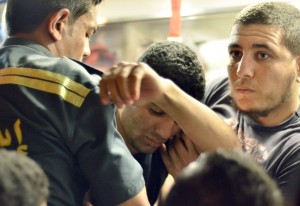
{"x": 22, "y": 181}
{"x": 177, "y": 62}
{"x": 227, "y": 178}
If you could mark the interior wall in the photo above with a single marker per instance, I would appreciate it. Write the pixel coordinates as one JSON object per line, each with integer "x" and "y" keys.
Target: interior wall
{"x": 126, "y": 41}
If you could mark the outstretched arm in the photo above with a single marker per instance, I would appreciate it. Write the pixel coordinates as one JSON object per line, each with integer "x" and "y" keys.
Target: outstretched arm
{"x": 130, "y": 82}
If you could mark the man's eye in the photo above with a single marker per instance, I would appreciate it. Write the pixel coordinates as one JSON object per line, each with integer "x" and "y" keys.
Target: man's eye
{"x": 263, "y": 55}
{"x": 157, "y": 112}
{"x": 235, "y": 54}
{"x": 89, "y": 35}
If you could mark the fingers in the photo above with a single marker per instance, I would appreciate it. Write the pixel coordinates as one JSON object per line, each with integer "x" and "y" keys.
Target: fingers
{"x": 167, "y": 160}
{"x": 180, "y": 153}
{"x": 104, "y": 91}
{"x": 121, "y": 84}
{"x": 119, "y": 89}
{"x": 177, "y": 152}
{"x": 126, "y": 83}
{"x": 165, "y": 155}
{"x": 190, "y": 147}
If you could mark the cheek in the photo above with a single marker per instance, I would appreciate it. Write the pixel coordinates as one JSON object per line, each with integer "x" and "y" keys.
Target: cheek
{"x": 231, "y": 74}
{"x": 145, "y": 122}
{"x": 78, "y": 50}
{"x": 79, "y": 39}
{"x": 80, "y": 45}
{"x": 134, "y": 122}
{"x": 231, "y": 69}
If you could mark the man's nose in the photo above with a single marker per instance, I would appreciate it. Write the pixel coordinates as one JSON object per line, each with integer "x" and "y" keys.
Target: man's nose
{"x": 87, "y": 50}
{"x": 245, "y": 67}
{"x": 167, "y": 128}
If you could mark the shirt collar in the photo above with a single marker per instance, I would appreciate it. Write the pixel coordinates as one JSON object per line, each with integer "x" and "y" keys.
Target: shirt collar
{"x": 28, "y": 43}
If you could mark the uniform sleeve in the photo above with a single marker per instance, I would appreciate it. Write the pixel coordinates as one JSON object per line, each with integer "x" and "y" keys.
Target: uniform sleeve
{"x": 113, "y": 174}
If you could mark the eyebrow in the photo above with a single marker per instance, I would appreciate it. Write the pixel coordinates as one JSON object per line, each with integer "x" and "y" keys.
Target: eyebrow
{"x": 234, "y": 46}
{"x": 237, "y": 46}
{"x": 91, "y": 27}
{"x": 153, "y": 104}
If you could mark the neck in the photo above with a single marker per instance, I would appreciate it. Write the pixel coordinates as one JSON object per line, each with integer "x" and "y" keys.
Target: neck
{"x": 39, "y": 36}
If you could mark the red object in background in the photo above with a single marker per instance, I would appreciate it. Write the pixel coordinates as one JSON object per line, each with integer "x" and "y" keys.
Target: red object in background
{"x": 175, "y": 20}
{"x": 100, "y": 58}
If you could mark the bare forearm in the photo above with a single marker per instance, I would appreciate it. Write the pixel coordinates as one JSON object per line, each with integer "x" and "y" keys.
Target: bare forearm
{"x": 206, "y": 129}
{"x": 128, "y": 83}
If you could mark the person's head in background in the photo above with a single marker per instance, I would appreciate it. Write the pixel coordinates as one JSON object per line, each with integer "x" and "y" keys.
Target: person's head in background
{"x": 63, "y": 26}
{"x": 224, "y": 178}
{"x": 22, "y": 181}
{"x": 264, "y": 63}
{"x": 144, "y": 126}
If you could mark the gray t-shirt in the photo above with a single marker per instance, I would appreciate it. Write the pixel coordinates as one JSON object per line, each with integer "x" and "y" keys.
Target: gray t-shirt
{"x": 276, "y": 148}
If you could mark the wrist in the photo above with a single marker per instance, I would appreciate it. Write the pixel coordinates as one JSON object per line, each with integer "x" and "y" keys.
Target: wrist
{"x": 168, "y": 92}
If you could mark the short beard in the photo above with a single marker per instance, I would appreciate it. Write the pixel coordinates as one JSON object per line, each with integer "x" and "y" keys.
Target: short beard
{"x": 264, "y": 112}
{"x": 253, "y": 114}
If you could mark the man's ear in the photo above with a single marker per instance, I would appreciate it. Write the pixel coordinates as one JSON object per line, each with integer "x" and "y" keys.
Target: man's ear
{"x": 58, "y": 22}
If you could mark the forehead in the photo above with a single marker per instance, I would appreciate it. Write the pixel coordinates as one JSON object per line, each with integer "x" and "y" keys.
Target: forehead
{"x": 256, "y": 34}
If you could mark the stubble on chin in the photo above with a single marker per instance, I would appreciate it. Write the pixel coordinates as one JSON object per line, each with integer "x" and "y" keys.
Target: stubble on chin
{"x": 253, "y": 114}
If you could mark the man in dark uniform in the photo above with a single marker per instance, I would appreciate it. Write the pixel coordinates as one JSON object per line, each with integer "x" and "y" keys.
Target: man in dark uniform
{"x": 50, "y": 108}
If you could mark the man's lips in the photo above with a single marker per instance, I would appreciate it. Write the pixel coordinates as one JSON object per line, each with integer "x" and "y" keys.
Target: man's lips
{"x": 153, "y": 141}
{"x": 243, "y": 90}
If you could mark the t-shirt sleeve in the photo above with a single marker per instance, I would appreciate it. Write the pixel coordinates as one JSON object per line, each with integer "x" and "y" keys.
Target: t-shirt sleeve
{"x": 217, "y": 97}
{"x": 113, "y": 174}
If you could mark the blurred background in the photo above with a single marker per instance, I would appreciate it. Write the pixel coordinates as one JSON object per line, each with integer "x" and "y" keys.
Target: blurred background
{"x": 128, "y": 27}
